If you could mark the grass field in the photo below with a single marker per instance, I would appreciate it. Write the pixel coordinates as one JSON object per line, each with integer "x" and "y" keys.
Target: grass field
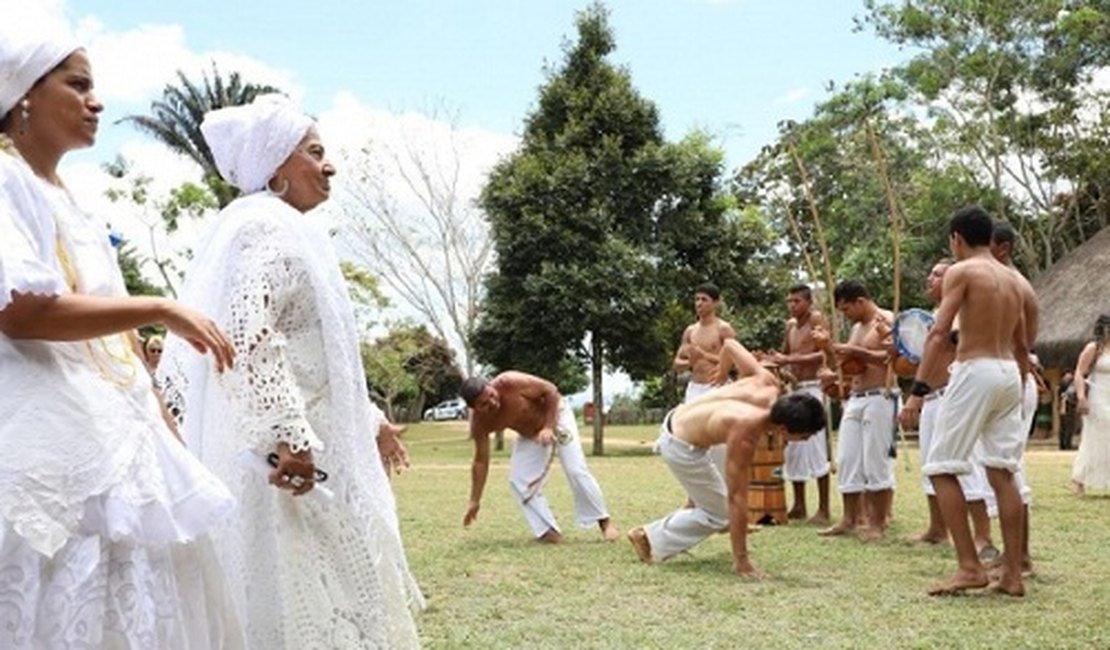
{"x": 490, "y": 586}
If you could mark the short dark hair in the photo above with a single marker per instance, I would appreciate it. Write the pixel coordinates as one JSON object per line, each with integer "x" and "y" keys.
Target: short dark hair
{"x": 802, "y": 289}
{"x": 709, "y": 289}
{"x": 973, "y": 224}
{"x": 850, "y": 290}
{"x": 799, "y": 413}
{"x": 1002, "y": 233}
{"x": 471, "y": 388}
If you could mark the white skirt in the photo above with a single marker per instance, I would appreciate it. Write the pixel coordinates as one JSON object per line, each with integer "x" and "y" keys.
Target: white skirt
{"x": 139, "y": 573}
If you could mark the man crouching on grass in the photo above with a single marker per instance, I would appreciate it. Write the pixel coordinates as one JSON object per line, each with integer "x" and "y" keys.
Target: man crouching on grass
{"x": 546, "y": 429}
{"x": 736, "y": 414}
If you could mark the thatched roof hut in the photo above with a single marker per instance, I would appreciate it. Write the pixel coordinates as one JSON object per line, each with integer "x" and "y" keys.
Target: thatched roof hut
{"x": 1072, "y": 294}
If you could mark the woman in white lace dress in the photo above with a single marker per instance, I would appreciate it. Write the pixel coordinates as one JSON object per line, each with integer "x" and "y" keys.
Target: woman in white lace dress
{"x": 102, "y": 510}
{"x": 307, "y": 571}
{"x": 1091, "y": 470}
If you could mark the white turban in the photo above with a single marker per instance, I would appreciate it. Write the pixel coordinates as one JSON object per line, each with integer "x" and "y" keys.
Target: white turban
{"x": 250, "y": 142}
{"x": 31, "y": 45}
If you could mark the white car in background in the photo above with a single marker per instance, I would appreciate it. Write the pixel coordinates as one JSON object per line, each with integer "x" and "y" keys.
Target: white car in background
{"x": 452, "y": 409}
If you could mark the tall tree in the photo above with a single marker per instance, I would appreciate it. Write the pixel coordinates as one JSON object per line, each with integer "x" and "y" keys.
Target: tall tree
{"x": 174, "y": 120}
{"x": 416, "y": 226}
{"x": 1010, "y": 90}
{"x": 595, "y": 221}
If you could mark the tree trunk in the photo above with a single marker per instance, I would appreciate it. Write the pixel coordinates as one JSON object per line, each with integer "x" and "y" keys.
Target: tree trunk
{"x": 599, "y": 403}
{"x": 499, "y": 440}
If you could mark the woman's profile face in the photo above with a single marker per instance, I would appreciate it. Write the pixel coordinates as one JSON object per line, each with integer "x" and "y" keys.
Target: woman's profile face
{"x": 64, "y": 111}
{"x": 308, "y": 173}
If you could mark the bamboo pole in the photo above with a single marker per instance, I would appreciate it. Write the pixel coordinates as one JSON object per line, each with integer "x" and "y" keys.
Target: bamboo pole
{"x": 896, "y": 245}
{"x": 834, "y": 315}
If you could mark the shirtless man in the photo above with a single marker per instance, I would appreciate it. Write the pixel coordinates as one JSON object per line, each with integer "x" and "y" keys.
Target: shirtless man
{"x": 974, "y": 485}
{"x": 998, "y": 315}
{"x": 1003, "y": 239}
{"x": 700, "y": 350}
{"x": 736, "y": 415}
{"x": 701, "y": 344}
{"x": 865, "y": 445}
{"x": 546, "y": 428}
{"x": 807, "y": 459}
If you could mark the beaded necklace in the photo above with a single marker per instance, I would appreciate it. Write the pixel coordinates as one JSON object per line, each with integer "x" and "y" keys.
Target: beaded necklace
{"x": 114, "y": 361}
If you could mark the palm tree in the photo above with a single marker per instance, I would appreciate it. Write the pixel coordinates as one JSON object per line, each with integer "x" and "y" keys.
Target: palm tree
{"x": 175, "y": 119}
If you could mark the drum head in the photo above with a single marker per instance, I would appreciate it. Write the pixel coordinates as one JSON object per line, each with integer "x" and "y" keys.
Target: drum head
{"x": 911, "y": 327}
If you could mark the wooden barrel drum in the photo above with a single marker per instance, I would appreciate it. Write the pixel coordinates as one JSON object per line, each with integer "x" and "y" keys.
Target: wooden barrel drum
{"x": 766, "y": 489}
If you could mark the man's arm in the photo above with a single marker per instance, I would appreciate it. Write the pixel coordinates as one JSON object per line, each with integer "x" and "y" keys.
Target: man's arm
{"x": 936, "y": 341}
{"x": 682, "y": 361}
{"x": 735, "y": 355}
{"x": 479, "y": 470}
{"x": 740, "y": 450}
{"x": 538, "y": 390}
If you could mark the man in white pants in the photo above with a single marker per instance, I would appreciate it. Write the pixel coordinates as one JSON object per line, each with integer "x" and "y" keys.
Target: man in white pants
{"x": 809, "y": 459}
{"x": 998, "y": 313}
{"x": 974, "y": 484}
{"x": 865, "y": 445}
{"x": 699, "y": 352}
{"x": 546, "y": 427}
{"x": 736, "y": 415}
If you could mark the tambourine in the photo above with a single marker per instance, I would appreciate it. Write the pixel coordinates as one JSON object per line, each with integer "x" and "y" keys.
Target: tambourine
{"x": 911, "y": 328}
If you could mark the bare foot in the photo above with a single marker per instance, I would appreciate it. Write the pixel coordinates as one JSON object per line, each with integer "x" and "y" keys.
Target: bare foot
{"x": 960, "y": 582}
{"x": 842, "y": 528}
{"x": 640, "y": 543}
{"x": 552, "y": 536}
{"x": 1077, "y": 488}
{"x": 609, "y": 530}
{"x": 928, "y": 537}
{"x": 796, "y": 514}
{"x": 819, "y": 519}
{"x": 870, "y": 534}
{"x": 1007, "y": 587}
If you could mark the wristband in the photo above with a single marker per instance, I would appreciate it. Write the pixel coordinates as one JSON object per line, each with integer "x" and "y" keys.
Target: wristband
{"x": 919, "y": 389}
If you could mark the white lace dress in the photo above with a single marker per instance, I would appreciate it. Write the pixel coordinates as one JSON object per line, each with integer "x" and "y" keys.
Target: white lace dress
{"x": 103, "y": 511}
{"x": 307, "y": 573}
{"x": 1092, "y": 462}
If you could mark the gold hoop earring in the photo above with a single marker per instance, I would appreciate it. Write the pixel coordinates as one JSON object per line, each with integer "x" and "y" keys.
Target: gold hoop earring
{"x": 24, "y": 116}
{"x": 284, "y": 188}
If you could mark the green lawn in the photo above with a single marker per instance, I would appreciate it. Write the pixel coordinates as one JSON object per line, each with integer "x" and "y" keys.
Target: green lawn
{"x": 491, "y": 586}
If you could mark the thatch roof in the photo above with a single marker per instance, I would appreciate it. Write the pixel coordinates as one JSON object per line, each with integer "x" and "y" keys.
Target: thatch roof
{"x": 1072, "y": 294}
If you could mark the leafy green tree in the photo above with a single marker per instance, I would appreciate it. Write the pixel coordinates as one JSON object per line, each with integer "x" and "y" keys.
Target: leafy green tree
{"x": 1009, "y": 91}
{"x": 602, "y": 229}
{"x": 156, "y": 213}
{"x": 408, "y": 368}
{"x": 175, "y": 119}
{"x": 859, "y": 154}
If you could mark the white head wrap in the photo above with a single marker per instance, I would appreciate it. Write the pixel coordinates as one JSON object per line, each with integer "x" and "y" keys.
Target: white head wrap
{"x": 31, "y": 45}
{"x": 250, "y": 142}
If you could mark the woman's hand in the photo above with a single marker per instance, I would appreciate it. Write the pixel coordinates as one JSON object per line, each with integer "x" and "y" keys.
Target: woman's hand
{"x": 201, "y": 332}
{"x": 1082, "y": 406}
{"x": 294, "y": 471}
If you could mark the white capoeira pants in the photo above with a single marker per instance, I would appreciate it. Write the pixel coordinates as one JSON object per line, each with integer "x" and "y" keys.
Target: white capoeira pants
{"x": 808, "y": 458}
{"x": 704, "y": 484}
{"x": 529, "y": 467}
{"x": 694, "y": 390}
{"x": 1028, "y": 412}
{"x": 974, "y": 484}
{"x": 982, "y": 406}
{"x": 865, "y": 446}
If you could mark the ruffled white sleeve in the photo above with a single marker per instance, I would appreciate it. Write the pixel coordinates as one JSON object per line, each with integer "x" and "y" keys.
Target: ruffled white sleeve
{"x": 28, "y": 263}
{"x": 268, "y": 400}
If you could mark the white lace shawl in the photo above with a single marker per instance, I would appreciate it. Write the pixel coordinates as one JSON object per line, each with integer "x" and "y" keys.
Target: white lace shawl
{"x": 272, "y": 282}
